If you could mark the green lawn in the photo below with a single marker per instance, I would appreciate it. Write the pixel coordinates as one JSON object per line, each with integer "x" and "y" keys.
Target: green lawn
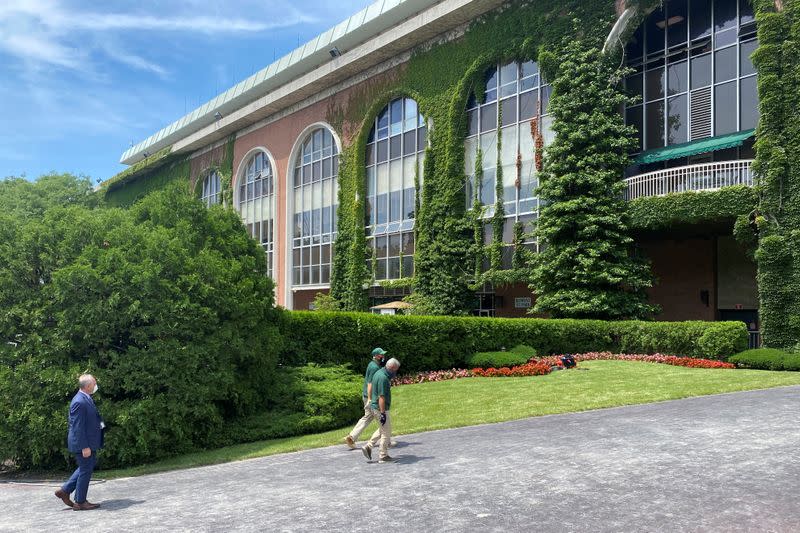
{"x": 473, "y": 401}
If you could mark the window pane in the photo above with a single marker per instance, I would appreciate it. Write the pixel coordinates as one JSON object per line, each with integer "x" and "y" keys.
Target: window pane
{"x": 701, "y": 71}
{"x": 472, "y": 122}
{"x": 725, "y": 38}
{"x": 408, "y": 203}
{"x": 488, "y": 117}
{"x": 655, "y": 125}
{"x": 677, "y": 32}
{"x": 633, "y": 117}
{"x": 394, "y": 268}
{"x": 408, "y": 266}
{"x": 678, "y": 77}
{"x": 634, "y": 85}
{"x": 725, "y": 64}
{"x": 491, "y": 79}
{"x": 394, "y": 245}
{"x": 654, "y": 33}
{"x": 395, "y": 213}
{"x": 509, "y": 111}
{"x": 654, "y": 82}
{"x": 381, "y": 247}
{"x": 527, "y": 105}
{"x": 725, "y": 108}
{"x": 487, "y": 187}
{"x": 394, "y": 147}
{"x": 745, "y": 51}
{"x": 700, "y": 18}
{"x": 382, "y": 208}
{"x": 677, "y": 121}
{"x": 396, "y": 117}
{"x": 408, "y": 244}
{"x": 749, "y": 103}
{"x": 635, "y": 46}
{"x": 545, "y": 97}
{"x": 724, "y": 15}
{"x": 746, "y": 12}
{"x": 383, "y": 151}
{"x": 410, "y": 142}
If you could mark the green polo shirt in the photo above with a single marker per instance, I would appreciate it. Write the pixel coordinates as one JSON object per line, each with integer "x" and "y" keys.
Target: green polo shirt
{"x": 372, "y": 367}
{"x": 381, "y": 386}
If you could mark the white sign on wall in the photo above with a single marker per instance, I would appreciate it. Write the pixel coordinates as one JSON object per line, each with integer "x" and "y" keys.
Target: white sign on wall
{"x": 522, "y": 303}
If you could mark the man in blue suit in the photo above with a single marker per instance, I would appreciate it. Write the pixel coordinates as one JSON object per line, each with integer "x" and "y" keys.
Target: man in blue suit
{"x": 85, "y": 437}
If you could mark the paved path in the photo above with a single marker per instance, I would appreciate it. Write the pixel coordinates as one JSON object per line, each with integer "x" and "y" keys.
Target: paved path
{"x": 719, "y": 463}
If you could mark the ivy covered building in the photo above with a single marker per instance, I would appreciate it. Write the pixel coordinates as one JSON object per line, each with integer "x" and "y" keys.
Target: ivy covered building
{"x": 403, "y": 150}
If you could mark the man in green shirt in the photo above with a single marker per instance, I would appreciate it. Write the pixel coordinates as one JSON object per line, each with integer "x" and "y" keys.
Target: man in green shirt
{"x": 381, "y": 402}
{"x": 378, "y": 357}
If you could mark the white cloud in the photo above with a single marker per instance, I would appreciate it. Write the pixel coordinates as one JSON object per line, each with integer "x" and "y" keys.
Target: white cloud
{"x": 48, "y": 32}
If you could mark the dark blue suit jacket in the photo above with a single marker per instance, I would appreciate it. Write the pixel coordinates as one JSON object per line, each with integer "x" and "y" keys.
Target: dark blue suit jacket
{"x": 85, "y": 429}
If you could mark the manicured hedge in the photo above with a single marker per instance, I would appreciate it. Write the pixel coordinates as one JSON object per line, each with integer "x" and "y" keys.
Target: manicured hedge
{"x": 434, "y": 343}
{"x": 767, "y": 359}
{"x": 310, "y": 399}
{"x": 518, "y": 355}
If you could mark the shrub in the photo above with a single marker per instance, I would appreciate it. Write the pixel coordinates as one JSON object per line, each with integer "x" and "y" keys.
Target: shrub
{"x": 436, "y": 343}
{"x": 168, "y": 304}
{"x": 767, "y": 359}
{"x": 519, "y": 355}
{"x": 310, "y": 399}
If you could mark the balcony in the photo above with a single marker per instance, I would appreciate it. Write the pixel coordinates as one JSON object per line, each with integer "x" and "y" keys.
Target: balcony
{"x": 702, "y": 177}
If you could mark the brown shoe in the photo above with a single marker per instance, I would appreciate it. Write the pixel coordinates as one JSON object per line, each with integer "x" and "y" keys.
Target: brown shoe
{"x": 350, "y": 442}
{"x": 85, "y": 506}
{"x": 64, "y": 498}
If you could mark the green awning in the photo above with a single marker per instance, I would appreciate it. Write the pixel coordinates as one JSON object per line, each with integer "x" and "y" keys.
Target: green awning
{"x": 700, "y": 146}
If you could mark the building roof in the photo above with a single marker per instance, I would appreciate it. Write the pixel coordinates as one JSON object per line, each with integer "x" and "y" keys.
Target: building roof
{"x": 393, "y": 305}
{"x": 364, "y": 25}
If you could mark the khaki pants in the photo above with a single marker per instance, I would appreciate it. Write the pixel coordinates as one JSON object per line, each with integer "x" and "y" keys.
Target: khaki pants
{"x": 382, "y": 434}
{"x": 362, "y": 424}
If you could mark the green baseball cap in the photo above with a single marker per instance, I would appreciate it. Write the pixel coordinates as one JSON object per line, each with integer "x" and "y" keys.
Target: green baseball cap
{"x": 378, "y": 351}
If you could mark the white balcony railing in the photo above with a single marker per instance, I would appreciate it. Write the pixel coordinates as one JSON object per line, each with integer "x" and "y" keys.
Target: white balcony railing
{"x": 702, "y": 177}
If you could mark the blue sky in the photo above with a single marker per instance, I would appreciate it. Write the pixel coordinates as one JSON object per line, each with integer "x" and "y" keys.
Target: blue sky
{"x": 80, "y": 80}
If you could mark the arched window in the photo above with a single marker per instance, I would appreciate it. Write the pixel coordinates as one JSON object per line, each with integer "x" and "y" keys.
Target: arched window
{"x": 693, "y": 72}
{"x": 515, "y": 107}
{"x": 257, "y": 203}
{"x": 212, "y": 189}
{"x": 315, "y": 208}
{"x": 395, "y": 155}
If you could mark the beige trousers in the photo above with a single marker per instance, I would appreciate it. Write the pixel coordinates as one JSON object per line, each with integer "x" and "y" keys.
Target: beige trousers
{"x": 382, "y": 434}
{"x": 362, "y": 424}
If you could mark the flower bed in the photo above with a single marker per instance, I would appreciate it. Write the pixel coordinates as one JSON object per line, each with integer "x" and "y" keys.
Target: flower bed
{"x": 545, "y": 365}
{"x": 436, "y": 375}
{"x": 532, "y": 368}
{"x": 655, "y": 358}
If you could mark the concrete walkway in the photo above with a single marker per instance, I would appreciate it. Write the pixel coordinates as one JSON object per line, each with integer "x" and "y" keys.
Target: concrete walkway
{"x": 719, "y": 463}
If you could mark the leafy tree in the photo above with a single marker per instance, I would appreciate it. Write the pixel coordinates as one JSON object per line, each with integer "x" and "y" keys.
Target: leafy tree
{"x": 23, "y": 199}
{"x": 168, "y": 304}
{"x": 585, "y": 269}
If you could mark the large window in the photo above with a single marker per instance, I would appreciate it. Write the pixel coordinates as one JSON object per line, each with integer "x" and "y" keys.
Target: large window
{"x": 515, "y": 106}
{"x": 211, "y": 193}
{"x": 257, "y": 203}
{"x": 693, "y": 72}
{"x": 315, "y": 208}
{"x": 395, "y": 154}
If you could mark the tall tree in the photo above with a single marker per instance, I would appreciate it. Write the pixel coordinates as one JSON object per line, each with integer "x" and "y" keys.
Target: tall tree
{"x": 585, "y": 268}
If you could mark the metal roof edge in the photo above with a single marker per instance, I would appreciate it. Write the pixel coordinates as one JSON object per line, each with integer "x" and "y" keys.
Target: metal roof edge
{"x": 389, "y": 13}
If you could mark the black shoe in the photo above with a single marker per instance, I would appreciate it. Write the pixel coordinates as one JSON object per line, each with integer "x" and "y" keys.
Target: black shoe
{"x": 367, "y": 451}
